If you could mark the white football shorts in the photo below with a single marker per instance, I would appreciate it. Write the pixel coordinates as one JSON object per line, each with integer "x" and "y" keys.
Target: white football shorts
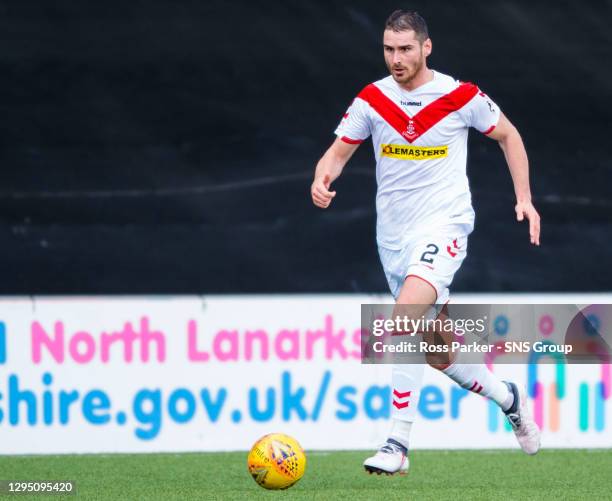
{"x": 434, "y": 256}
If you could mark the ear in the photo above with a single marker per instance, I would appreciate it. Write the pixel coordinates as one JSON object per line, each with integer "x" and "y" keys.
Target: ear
{"x": 427, "y": 47}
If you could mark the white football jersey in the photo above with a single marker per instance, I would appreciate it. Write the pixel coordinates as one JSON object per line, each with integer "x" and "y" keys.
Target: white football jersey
{"x": 420, "y": 144}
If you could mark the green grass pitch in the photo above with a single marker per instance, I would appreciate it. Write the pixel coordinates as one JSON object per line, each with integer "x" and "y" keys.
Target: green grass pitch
{"x": 448, "y": 475}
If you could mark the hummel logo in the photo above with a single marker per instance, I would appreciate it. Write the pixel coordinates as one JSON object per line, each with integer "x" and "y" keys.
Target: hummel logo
{"x": 410, "y": 103}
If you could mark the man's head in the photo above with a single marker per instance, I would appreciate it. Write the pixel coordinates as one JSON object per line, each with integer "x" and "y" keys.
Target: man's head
{"x": 406, "y": 45}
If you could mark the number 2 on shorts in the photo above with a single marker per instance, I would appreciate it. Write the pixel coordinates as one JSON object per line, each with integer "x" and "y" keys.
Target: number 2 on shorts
{"x": 433, "y": 250}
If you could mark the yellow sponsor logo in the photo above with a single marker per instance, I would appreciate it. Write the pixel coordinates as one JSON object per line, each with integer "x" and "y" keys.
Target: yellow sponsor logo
{"x": 405, "y": 152}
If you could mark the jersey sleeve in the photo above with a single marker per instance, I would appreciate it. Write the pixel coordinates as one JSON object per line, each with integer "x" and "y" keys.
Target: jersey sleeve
{"x": 354, "y": 128}
{"x": 481, "y": 113}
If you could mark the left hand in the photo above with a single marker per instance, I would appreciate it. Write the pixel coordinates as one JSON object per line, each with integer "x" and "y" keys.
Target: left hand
{"x": 527, "y": 210}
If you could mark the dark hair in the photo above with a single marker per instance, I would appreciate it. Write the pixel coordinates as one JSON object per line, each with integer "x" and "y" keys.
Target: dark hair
{"x": 403, "y": 20}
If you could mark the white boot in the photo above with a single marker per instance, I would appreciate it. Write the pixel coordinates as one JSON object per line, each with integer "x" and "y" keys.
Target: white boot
{"x": 390, "y": 459}
{"x": 525, "y": 428}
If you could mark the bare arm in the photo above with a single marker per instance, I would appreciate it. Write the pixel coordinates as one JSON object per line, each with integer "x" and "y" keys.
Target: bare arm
{"x": 328, "y": 170}
{"x": 511, "y": 144}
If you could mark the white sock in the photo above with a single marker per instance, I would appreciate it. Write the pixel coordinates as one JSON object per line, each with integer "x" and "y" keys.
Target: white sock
{"x": 406, "y": 383}
{"x": 477, "y": 378}
{"x": 400, "y": 431}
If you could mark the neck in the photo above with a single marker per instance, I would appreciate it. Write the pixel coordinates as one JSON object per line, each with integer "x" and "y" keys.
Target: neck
{"x": 422, "y": 77}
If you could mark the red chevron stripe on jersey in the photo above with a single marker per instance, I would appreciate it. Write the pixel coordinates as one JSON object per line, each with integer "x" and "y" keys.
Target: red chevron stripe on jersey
{"x": 411, "y": 128}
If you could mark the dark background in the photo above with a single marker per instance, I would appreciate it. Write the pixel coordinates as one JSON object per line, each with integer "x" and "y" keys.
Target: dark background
{"x": 168, "y": 146}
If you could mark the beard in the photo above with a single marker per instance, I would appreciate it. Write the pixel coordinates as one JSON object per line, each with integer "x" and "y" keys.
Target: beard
{"x": 407, "y": 72}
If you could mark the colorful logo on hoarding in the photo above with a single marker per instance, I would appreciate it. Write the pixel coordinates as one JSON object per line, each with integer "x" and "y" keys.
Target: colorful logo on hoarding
{"x": 547, "y": 398}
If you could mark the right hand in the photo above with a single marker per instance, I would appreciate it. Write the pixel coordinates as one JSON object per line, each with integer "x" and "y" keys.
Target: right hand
{"x": 321, "y": 196}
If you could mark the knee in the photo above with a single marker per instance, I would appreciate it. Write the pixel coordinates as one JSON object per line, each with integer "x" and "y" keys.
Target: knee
{"x": 439, "y": 361}
{"x": 439, "y": 366}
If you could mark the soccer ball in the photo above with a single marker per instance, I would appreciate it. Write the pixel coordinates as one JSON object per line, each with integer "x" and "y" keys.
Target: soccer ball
{"x": 276, "y": 461}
